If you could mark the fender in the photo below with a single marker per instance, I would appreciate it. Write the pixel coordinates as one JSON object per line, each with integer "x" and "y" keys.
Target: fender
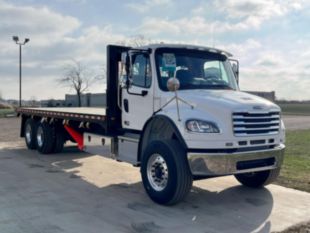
{"x": 159, "y": 127}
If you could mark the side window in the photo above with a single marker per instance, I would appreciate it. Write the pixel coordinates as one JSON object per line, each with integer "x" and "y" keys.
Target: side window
{"x": 141, "y": 71}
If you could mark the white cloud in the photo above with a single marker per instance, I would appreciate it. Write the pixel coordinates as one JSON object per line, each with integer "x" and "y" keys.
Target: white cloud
{"x": 41, "y": 24}
{"x": 52, "y": 43}
{"x": 245, "y": 51}
{"x": 272, "y": 68}
{"x": 147, "y": 5}
{"x": 196, "y": 25}
{"x": 238, "y": 15}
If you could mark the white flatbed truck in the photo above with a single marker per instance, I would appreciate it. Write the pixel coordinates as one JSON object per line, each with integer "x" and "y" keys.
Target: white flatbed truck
{"x": 176, "y": 112}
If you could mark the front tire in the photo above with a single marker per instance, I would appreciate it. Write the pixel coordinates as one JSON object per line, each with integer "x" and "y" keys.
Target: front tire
{"x": 258, "y": 179}
{"x": 165, "y": 172}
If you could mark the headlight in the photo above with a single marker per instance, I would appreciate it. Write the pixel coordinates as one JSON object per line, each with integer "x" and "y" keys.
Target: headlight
{"x": 200, "y": 126}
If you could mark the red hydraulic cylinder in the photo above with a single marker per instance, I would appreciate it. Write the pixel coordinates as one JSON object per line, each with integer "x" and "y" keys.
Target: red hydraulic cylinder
{"x": 78, "y": 137}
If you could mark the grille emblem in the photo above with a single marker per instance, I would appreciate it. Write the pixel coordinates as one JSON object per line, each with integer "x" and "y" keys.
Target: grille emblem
{"x": 257, "y": 107}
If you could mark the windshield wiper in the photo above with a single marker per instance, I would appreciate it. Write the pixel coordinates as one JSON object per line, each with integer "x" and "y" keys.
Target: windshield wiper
{"x": 221, "y": 87}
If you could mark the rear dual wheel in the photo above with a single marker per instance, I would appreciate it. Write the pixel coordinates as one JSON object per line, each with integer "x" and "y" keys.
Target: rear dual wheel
{"x": 30, "y": 134}
{"x": 59, "y": 140}
{"x": 50, "y": 139}
{"x": 44, "y": 137}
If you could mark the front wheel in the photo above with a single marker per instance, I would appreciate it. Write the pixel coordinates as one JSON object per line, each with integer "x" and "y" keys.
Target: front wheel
{"x": 165, "y": 172}
{"x": 258, "y": 179}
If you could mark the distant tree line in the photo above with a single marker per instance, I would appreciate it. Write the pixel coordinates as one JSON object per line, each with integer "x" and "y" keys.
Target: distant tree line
{"x": 282, "y": 101}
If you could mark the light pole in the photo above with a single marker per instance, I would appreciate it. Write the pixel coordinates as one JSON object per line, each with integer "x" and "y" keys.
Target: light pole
{"x": 16, "y": 39}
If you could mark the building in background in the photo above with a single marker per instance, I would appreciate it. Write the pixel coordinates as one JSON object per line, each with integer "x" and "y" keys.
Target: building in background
{"x": 98, "y": 100}
{"x": 87, "y": 100}
{"x": 53, "y": 103}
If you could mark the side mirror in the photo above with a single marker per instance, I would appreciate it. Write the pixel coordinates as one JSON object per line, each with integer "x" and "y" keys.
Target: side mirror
{"x": 124, "y": 71}
{"x": 128, "y": 82}
{"x": 235, "y": 68}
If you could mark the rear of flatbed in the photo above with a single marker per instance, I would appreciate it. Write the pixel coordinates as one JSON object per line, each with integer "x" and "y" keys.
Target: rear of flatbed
{"x": 60, "y": 125}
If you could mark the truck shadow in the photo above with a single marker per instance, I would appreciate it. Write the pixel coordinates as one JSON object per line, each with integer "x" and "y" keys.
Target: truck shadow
{"x": 233, "y": 209}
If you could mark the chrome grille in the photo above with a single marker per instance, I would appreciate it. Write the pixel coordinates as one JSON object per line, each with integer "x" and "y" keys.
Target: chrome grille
{"x": 246, "y": 123}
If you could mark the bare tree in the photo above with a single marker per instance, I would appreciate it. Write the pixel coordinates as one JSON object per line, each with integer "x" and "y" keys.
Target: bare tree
{"x": 78, "y": 77}
{"x": 1, "y": 95}
{"x": 33, "y": 101}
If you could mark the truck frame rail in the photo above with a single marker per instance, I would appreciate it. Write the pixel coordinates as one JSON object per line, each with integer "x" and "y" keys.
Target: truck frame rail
{"x": 78, "y": 114}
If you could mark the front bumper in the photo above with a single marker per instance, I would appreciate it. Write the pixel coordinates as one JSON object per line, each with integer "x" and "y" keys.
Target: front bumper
{"x": 217, "y": 164}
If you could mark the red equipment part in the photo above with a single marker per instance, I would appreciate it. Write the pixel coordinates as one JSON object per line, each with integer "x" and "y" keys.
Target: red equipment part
{"x": 76, "y": 136}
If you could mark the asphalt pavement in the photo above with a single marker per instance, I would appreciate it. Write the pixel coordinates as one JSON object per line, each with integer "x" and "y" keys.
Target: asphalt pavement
{"x": 79, "y": 192}
{"x": 296, "y": 122}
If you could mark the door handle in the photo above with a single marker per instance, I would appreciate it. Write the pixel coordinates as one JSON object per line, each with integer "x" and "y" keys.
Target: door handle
{"x": 143, "y": 93}
{"x": 126, "y": 105}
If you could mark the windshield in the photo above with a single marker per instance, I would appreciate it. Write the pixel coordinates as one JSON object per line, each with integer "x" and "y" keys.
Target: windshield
{"x": 197, "y": 69}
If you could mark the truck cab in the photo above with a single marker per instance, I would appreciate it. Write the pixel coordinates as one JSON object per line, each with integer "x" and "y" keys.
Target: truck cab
{"x": 220, "y": 129}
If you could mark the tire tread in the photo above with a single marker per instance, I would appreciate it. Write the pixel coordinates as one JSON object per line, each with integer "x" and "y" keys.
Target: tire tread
{"x": 32, "y": 145}
{"x": 183, "y": 179}
{"x": 49, "y": 139}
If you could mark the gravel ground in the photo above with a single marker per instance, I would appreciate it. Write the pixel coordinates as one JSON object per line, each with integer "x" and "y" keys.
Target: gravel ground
{"x": 9, "y": 129}
{"x": 296, "y": 122}
{"x": 299, "y": 228}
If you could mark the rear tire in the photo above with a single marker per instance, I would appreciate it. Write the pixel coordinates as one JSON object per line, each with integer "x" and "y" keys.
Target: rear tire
{"x": 30, "y": 133}
{"x": 45, "y": 138}
{"x": 59, "y": 140}
{"x": 258, "y": 179}
{"x": 165, "y": 172}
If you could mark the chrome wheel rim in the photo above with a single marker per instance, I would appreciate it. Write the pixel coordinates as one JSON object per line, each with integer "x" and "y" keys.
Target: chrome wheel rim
{"x": 28, "y": 133}
{"x": 157, "y": 172}
{"x": 40, "y": 136}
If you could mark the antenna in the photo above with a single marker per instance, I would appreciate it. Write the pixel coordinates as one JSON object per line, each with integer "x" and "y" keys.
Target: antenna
{"x": 212, "y": 35}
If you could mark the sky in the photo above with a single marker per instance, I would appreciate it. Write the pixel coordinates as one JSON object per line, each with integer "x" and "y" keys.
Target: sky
{"x": 270, "y": 38}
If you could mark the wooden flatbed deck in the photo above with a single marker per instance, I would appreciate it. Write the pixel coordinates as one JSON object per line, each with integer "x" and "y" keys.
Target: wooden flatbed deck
{"x": 81, "y": 114}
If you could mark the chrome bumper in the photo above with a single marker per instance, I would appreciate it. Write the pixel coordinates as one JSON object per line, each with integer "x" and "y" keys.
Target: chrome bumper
{"x": 226, "y": 163}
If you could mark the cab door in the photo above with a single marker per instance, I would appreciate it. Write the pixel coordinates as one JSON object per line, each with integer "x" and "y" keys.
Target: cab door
{"x": 137, "y": 98}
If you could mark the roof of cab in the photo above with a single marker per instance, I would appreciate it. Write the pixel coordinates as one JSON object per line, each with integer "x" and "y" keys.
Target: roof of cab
{"x": 187, "y": 46}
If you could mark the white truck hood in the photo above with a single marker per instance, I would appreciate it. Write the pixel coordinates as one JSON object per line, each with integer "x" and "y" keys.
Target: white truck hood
{"x": 216, "y": 106}
{"x": 227, "y": 99}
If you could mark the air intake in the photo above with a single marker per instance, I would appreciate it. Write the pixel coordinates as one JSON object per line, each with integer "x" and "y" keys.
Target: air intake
{"x": 256, "y": 124}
